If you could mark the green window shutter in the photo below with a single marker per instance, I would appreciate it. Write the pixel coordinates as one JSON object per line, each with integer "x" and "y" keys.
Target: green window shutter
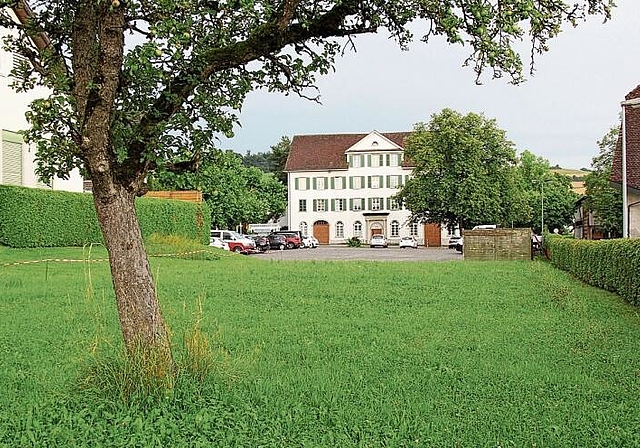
{"x": 297, "y": 183}
{"x": 369, "y": 181}
{"x": 343, "y": 179}
{"x": 368, "y": 159}
{"x": 313, "y": 183}
{"x": 388, "y": 181}
{"x": 308, "y": 182}
{"x": 388, "y": 159}
{"x": 350, "y": 160}
{"x": 351, "y": 183}
{"x": 381, "y": 200}
{"x": 333, "y": 205}
{"x": 315, "y": 205}
{"x": 362, "y": 181}
{"x": 370, "y": 203}
{"x": 400, "y": 182}
{"x": 326, "y": 183}
{"x": 332, "y": 184}
{"x": 351, "y": 204}
{"x": 381, "y": 159}
{"x": 388, "y": 203}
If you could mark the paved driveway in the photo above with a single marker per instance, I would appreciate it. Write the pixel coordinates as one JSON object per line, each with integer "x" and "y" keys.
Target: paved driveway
{"x": 364, "y": 253}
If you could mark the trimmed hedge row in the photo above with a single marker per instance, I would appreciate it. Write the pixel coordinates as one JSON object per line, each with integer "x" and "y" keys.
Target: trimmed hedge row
{"x": 613, "y": 265}
{"x": 31, "y": 217}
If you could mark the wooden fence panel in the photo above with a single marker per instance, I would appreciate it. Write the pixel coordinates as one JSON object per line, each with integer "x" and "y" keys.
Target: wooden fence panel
{"x": 497, "y": 244}
{"x": 190, "y": 195}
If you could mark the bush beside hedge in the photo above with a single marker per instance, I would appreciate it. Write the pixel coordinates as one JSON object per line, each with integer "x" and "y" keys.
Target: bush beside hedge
{"x": 613, "y": 265}
{"x": 31, "y": 217}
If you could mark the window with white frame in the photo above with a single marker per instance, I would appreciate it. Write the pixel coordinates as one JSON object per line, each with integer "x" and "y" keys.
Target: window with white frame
{"x": 338, "y": 182}
{"x": 340, "y": 205}
{"x": 394, "y": 181}
{"x": 394, "y": 160}
{"x": 395, "y": 228}
{"x": 375, "y": 160}
{"x": 339, "y": 229}
{"x": 357, "y": 229}
{"x": 376, "y": 203}
{"x": 356, "y": 182}
{"x": 375, "y": 181}
{"x": 301, "y": 183}
{"x": 356, "y": 161}
{"x": 320, "y": 205}
{"x": 304, "y": 228}
{"x": 302, "y": 205}
{"x": 320, "y": 183}
{"x": 357, "y": 204}
{"x": 393, "y": 204}
{"x": 414, "y": 229}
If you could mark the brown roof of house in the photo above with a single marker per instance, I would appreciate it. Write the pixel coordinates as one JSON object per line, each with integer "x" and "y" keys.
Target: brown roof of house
{"x": 632, "y": 126}
{"x": 326, "y": 151}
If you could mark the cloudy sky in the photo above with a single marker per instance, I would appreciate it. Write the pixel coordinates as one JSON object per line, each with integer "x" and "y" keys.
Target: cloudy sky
{"x": 559, "y": 113}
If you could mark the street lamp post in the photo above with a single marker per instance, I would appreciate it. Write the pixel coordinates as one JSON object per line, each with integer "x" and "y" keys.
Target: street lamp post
{"x": 635, "y": 102}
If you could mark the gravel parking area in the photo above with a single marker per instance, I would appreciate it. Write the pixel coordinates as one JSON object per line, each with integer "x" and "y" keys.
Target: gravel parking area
{"x": 364, "y": 253}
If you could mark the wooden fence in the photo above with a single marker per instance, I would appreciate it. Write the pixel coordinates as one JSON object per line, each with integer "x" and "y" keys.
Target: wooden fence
{"x": 497, "y": 244}
{"x": 190, "y": 196}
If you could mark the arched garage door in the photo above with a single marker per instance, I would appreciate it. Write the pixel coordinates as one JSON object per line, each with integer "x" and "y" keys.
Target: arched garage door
{"x": 321, "y": 231}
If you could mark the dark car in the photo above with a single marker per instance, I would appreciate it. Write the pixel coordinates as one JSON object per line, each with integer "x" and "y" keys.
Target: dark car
{"x": 293, "y": 239}
{"x": 262, "y": 242}
{"x": 277, "y": 241}
{"x": 453, "y": 241}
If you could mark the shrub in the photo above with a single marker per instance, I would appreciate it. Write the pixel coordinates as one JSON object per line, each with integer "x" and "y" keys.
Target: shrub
{"x": 31, "y": 217}
{"x": 608, "y": 264}
{"x": 354, "y": 241}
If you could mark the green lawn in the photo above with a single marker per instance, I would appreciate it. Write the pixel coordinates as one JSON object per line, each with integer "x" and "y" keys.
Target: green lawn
{"x": 331, "y": 354}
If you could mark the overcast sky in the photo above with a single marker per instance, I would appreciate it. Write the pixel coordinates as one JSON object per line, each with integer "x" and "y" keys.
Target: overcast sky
{"x": 559, "y": 113}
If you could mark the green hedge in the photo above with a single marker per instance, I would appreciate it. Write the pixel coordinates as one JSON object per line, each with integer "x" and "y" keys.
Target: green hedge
{"x": 31, "y": 217}
{"x": 613, "y": 265}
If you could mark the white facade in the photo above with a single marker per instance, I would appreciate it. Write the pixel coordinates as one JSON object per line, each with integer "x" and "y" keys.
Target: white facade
{"x": 17, "y": 159}
{"x": 355, "y": 201}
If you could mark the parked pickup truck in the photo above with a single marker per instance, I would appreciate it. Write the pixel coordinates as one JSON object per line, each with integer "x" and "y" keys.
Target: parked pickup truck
{"x": 236, "y": 242}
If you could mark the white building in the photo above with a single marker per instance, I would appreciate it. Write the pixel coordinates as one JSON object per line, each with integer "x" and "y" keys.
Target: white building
{"x": 342, "y": 185}
{"x": 17, "y": 158}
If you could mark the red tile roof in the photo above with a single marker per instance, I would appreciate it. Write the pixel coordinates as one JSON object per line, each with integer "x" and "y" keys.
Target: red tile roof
{"x": 633, "y": 146}
{"x": 326, "y": 151}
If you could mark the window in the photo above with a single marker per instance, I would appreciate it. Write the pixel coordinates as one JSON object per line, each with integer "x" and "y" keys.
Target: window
{"x": 394, "y": 181}
{"x": 356, "y": 182}
{"x": 357, "y": 229}
{"x": 302, "y": 183}
{"x": 374, "y": 181}
{"x": 320, "y": 183}
{"x": 339, "y": 229}
{"x": 357, "y": 204}
{"x": 356, "y": 161}
{"x": 320, "y": 205}
{"x": 339, "y": 205}
{"x": 302, "y": 205}
{"x": 376, "y": 203}
{"x": 394, "y": 160}
{"x": 11, "y": 157}
{"x": 393, "y": 204}
{"x": 395, "y": 228}
{"x": 375, "y": 161}
{"x": 338, "y": 182}
{"x": 414, "y": 229}
{"x": 303, "y": 228}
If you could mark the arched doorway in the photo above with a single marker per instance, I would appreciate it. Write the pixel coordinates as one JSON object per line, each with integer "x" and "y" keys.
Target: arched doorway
{"x": 376, "y": 229}
{"x": 321, "y": 231}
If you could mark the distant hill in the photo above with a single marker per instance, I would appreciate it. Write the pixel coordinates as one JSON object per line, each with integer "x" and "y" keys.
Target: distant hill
{"x": 577, "y": 178}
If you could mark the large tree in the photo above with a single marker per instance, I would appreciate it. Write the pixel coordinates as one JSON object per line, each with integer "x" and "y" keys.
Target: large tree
{"x": 464, "y": 171}
{"x": 604, "y": 200}
{"x": 135, "y": 81}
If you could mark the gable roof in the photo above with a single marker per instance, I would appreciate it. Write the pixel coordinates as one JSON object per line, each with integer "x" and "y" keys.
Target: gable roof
{"x": 632, "y": 125}
{"x": 327, "y": 151}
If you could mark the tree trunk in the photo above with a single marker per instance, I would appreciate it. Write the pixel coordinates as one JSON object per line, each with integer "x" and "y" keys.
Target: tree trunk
{"x": 143, "y": 328}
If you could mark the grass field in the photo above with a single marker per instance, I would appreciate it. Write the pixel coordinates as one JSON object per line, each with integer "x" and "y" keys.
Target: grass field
{"x": 326, "y": 354}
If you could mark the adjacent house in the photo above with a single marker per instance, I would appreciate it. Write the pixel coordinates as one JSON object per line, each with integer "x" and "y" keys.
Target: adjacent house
{"x": 342, "y": 186}
{"x": 17, "y": 158}
{"x": 629, "y": 144}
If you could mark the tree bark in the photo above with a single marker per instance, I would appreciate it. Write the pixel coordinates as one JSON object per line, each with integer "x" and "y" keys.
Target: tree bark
{"x": 138, "y": 310}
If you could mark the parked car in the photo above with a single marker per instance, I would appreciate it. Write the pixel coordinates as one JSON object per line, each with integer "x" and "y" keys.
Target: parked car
{"x": 453, "y": 240}
{"x": 277, "y": 241}
{"x": 460, "y": 245}
{"x": 378, "y": 241}
{"x": 293, "y": 239}
{"x": 262, "y": 242}
{"x": 408, "y": 241}
{"x": 217, "y": 242}
{"x": 309, "y": 242}
{"x": 236, "y": 242}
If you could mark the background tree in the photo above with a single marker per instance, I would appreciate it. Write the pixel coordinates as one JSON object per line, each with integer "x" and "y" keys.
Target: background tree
{"x": 604, "y": 200}
{"x": 536, "y": 178}
{"x": 134, "y": 82}
{"x": 235, "y": 193}
{"x": 261, "y": 160}
{"x": 463, "y": 173}
{"x": 272, "y": 161}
